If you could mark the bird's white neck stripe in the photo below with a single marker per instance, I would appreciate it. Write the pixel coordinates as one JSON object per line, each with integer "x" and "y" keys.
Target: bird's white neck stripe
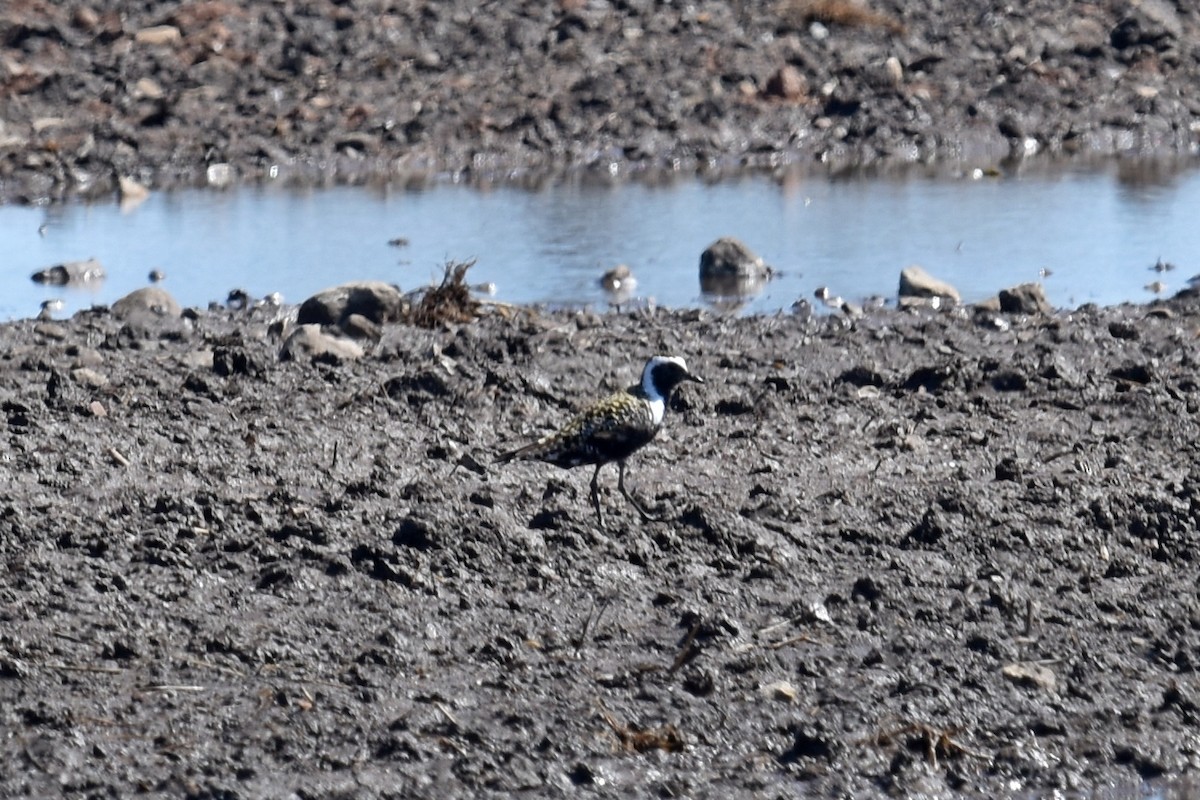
{"x": 658, "y": 404}
{"x": 658, "y": 407}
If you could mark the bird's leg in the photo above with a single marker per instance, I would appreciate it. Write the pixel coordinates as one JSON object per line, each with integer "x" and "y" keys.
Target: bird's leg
{"x": 595, "y": 495}
{"x": 633, "y": 500}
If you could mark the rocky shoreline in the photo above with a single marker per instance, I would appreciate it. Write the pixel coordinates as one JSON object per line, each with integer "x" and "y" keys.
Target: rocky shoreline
{"x": 211, "y": 93}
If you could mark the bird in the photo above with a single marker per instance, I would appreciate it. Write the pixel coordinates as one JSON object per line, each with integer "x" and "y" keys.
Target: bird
{"x": 612, "y": 429}
{"x": 618, "y": 279}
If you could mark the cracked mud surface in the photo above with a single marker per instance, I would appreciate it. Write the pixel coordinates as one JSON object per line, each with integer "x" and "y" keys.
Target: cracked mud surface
{"x": 915, "y": 554}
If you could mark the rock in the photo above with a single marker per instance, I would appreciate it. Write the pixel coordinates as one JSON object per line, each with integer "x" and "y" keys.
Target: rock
{"x": 87, "y": 357}
{"x": 923, "y": 303}
{"x": 1087, "y": 36}
{"x": 1027, "y": 298}
{"x": 1150, "y": 22}
{"x": 148, "y": 88}
{"x": 131, "y": 193}
{"x": 357, "y": 326}
{"x": 1033, "y": 675}
{"x": 780, "y": 690}
{"x": 158, "y": 35}
{"x": 71, "y": 273}
{"x": 377, "y": 301}
{"x": 729, "y": 257}
{"x": 1122, "y": 329}
{"x": 51, "y": 330}
{"x": 990, "y": 304}
{"x": 787, "y": 83}
{"x": 728, "y": 268}
{"x": 150, "y": 299}
{"x": 886, "y": 74}
{"x": 916, "y": 282}
{"x": 86, "y": 376}
{"x": 220, "y": 176}
{"x": 313, "y": 342}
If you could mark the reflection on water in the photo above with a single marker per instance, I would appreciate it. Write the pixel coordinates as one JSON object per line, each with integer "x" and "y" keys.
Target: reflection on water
{"x": 1096, "y": 234}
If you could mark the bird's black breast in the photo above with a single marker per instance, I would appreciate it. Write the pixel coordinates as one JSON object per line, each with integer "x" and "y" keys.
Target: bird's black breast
{"x": 618, "y": 444}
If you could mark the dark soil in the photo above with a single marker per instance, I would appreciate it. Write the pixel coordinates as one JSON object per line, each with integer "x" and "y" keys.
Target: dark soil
{"x": 355, "y": 90}
{"x": 909, "y": 554}
{"x": 916, "y": 553}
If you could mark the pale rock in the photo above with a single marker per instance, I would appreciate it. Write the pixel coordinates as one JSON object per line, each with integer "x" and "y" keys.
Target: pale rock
{"x": 71, "y": 273}
{"x": 149, "y": 299}
{"x": 314, "y": 343}
{"x": 916, "y": 282}
{"x": 86, "y": 376}
{"x": 1027, "y": 298}
{"x": 158, "y": 35}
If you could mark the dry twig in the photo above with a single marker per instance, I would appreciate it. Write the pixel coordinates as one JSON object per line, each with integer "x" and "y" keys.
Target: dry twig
{"x": 635, "y": 740}
{"x": 847, "y": 13}
{"x": 931, "y": 740}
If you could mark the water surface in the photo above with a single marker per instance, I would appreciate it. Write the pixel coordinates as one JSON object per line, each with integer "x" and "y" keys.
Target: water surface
{"x": 1098, "y": 232}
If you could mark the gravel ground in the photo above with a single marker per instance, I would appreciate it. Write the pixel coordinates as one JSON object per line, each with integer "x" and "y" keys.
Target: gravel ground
{"x": 909, "y": 554}
{"x": 314, "y": 91}
{"x": 913, "y": 553}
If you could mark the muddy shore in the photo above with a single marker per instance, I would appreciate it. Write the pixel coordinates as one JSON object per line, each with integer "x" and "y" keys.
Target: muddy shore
{"x": 915, "y": 553}
{"x": 214, "y": 92}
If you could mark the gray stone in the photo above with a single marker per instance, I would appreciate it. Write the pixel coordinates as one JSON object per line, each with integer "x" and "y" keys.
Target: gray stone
{"x": 731, "y": 258}
{"x": 356, "y": 326}
{"x": 1150, "y": 22}
{"x": 51, "y": 330}
{"x": 728, "y": 268}
{"x": 1027, "y": 298}
{"x": 86, "y": 376}
{"x": 916, "y": 282}
{"x": 147, "y": 300}
{"x": 310, "y": 341}
{"x": 71, "y": 273}
{"x": 377, "y": 301}
{"x": 88, "y": 357}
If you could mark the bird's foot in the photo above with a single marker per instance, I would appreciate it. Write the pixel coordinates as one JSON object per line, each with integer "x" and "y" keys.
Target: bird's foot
{"x": 646, "y": 515}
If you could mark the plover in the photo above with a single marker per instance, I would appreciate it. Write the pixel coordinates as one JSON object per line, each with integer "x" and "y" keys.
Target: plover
{"x": 618, "y": 280}
{"x": 612, "y": 429}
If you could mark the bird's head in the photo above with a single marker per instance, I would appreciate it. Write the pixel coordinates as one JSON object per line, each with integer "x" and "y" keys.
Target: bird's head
{"x": 663, "y": 373}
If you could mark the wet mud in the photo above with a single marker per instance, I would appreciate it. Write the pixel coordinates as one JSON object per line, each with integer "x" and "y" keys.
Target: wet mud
{"x": 935, "y": 553}
{"x": 919, "y": 552}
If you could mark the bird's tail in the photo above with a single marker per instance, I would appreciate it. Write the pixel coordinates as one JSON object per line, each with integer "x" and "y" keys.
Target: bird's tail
{"x": 528, "y": 451}
{"x": 533, "y": 450}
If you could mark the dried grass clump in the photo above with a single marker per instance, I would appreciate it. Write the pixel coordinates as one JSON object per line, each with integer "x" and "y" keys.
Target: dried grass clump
{"x": 448, "y": 302}
{"x": 846, "y": 13}
{"x": 636, "y": 740}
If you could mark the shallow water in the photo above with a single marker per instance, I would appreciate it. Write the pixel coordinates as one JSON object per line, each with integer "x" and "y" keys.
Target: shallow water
{"x": 1098, "y": 231}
